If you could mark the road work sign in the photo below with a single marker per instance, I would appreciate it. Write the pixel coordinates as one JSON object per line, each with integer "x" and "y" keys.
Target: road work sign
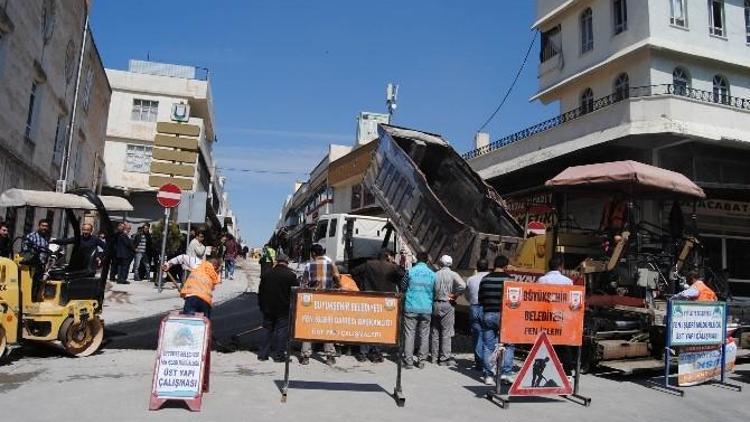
{"x": 699, "y": 364}
{"x": 541, "y": 374}
{"x": 182, "y": 361}
{"x": 530, "y": 309}
{"x": 346, "y": 317}
{"x": 696, "y": 323}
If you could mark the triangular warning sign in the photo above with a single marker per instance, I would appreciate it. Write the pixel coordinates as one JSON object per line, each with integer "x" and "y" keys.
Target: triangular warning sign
{"x": 541, "y": 374}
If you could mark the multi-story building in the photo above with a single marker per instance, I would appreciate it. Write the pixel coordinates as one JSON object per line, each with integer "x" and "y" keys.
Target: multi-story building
{"x": 40, "y": 52}
{"x": 142, "y": 96}
{"x": 663, "y": 82}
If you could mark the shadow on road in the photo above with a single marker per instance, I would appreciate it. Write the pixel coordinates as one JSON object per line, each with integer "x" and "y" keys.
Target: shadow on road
{"x": 229, "y": 318}
{"x": 333, "y": 386}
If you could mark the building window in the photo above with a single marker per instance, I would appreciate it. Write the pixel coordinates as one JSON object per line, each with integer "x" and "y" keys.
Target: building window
{"x": 620, "y": 9}
{"x": 716, "y": 17}
{"x": 681, "y": 81}
{"x": 551, "y": 44}
{"x": 721, "y": 90}
{"x": 30, "y": 113}
{"x": 587, "y": 101}
{"x": 138, "y": 158}
{"x": 747, "y": 21}
{"x": 60, "y": 132}
{"x": 587, "y": 31}
{"x": 48, "y": 20}
{"x": 144, "y": 110}
{"x": 88, "y": 85}
{"x": 678, "y": 13}
{"x": 70, "y": 53}
{"x": 78, "y": 165}
{"x": 622, "y": 87}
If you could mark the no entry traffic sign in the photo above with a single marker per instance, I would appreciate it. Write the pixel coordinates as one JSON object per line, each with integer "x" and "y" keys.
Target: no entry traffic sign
{"x": 169, "y": 196}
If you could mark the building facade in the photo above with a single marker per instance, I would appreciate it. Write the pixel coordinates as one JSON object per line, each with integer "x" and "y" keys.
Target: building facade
{"x": 663, "y": 82}
{"x": 143, "y": 96}
{"x": 40, "y": 52}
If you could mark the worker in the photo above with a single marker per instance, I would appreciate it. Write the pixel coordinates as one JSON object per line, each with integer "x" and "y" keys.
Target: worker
{"x": 35, "y": 251}
{"x": 696, "y": 290}
{"x": 199, "y": 286}
{"x": 419, "y": 287}
{"x": 320, "y": 274}
{"x": 377, "y": 275}
{"x": 490, "y": 296}
{"x": 448, "y": 286}
{"x": 267, "y": 258}
{"x": 554, "y": 275}
{"x": 274, "y": 300}
{"x": 614, "y": 221}
{"x": 88, "y": 245}
{"x": 475, "y": 311}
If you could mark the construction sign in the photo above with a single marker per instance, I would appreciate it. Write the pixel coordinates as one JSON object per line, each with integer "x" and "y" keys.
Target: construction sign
{"x": 346, "y": 317}
{"x": 531, "y": 309}
{"x": 542, "y": 373}
{"x": 182, "y": 361}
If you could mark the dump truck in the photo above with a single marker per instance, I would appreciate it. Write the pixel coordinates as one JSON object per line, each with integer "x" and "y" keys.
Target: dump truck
{"x": 436, "y": 202}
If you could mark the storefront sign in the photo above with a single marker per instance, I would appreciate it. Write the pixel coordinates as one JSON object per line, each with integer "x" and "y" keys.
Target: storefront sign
{"x": 181, "y": 360}
{"x": 530, "y": 309}
{"x": 696, "y": 323}
{"x": 537, "y": 207}
{"x": 346, "y": 317}
{"x": 698, "y": 364}
{"x": 716, "y": 207}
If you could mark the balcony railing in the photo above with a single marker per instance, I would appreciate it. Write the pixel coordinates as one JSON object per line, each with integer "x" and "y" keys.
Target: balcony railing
{"x": 613, "y": 98}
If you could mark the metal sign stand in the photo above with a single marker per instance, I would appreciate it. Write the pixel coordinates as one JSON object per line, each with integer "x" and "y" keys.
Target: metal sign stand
{"x": 503, "y": 400}
{"x": 398, "y": 394}
{"x": 669, "y": 351}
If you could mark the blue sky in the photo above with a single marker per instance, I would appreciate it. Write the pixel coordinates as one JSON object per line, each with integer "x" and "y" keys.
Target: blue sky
{"x": 290, "y": 76}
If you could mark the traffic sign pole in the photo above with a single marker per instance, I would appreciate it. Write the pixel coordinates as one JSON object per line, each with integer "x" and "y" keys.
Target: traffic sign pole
{"x": 168, "y": 196}
{"x": 165, "y": 230}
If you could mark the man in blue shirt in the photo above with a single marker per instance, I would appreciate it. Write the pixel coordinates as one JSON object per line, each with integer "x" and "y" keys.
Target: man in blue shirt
{"x": 419, "y": 288}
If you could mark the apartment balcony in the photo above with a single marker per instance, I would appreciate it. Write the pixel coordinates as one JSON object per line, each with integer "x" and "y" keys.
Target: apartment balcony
{"x": 655, "y": 109}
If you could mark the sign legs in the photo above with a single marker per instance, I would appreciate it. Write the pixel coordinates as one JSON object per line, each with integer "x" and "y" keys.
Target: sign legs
{"x": 496, "y": 393}
{"x": 165, "y": 231}
{"x": 586, "y": 401}
{"x": 398, "y": 393}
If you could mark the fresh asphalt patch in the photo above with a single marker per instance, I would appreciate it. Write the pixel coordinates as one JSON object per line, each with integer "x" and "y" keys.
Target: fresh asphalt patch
{"x": 235, "y": 324}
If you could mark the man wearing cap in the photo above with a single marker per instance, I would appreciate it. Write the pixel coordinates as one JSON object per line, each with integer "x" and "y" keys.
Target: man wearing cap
{"x": 448, "y": 286}
{"x": 274, "y": 300}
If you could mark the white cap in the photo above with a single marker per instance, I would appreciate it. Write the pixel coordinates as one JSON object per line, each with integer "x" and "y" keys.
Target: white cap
{"x": 446, "y": 260}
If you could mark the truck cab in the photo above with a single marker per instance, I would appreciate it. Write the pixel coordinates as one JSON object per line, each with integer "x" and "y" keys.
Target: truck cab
{"x": 351, "y": 239}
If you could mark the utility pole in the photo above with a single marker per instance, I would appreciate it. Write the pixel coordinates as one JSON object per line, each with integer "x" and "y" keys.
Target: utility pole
{"x": 62, "y": 183}
{"x": 391, "y": 96}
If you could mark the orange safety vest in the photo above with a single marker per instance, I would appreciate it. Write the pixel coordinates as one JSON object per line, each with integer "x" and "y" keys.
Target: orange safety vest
{"x": 348, "y": 283}
{"x": 201, "y": 282}
{"x": 706, "y": 294}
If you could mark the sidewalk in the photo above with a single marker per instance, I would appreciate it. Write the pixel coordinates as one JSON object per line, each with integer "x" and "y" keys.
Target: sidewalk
{"x": 140, "y": 299}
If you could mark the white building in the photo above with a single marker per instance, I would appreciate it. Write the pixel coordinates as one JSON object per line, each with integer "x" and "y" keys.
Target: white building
{"x": 142, "y": 96}
{"x": 666, "y": 82}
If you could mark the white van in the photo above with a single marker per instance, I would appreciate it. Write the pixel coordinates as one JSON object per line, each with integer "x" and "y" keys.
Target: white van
{"x": 351, "y": 239}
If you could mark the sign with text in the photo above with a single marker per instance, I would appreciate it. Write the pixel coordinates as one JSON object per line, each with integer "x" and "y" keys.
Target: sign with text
{"x": 530, "y": 309}
{"x": 346, "y": 317}
{"x": 699, "y": 364}
{"x": 181, "y": 360}
{"x": 542, "y": 373}
{"x": 696, "y": 323}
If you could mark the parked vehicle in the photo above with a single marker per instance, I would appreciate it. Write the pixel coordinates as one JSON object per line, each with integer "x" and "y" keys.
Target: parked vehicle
{"x": 352, "y": 239}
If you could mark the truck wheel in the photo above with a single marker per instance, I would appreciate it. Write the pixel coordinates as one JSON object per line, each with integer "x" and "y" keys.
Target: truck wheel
{"x": 83, "y": 338}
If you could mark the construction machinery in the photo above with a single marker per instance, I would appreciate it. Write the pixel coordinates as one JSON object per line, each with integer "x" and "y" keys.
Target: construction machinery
{"x": 67, "y": 306}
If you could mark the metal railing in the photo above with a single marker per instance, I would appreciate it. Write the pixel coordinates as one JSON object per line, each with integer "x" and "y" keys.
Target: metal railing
{"x": 613, "y": 98}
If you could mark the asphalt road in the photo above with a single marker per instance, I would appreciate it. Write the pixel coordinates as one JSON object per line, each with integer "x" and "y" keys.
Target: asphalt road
{"x": 239, "y": 315}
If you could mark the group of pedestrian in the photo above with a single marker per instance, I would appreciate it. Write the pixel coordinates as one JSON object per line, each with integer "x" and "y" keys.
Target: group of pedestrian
{"x": 137, "y": 250}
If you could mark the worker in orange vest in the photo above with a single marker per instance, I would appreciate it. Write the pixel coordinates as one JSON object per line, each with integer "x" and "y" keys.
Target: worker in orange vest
{"x": 697, "y": 290}
{"x": 199, "y": 287}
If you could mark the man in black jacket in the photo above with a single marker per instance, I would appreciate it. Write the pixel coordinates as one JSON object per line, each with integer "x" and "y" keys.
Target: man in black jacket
{"x": 377, "y": 275}
{"x": 274, "y": 300}
{"x": 124, "y": 252}
{"x": 143, "y": 252}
